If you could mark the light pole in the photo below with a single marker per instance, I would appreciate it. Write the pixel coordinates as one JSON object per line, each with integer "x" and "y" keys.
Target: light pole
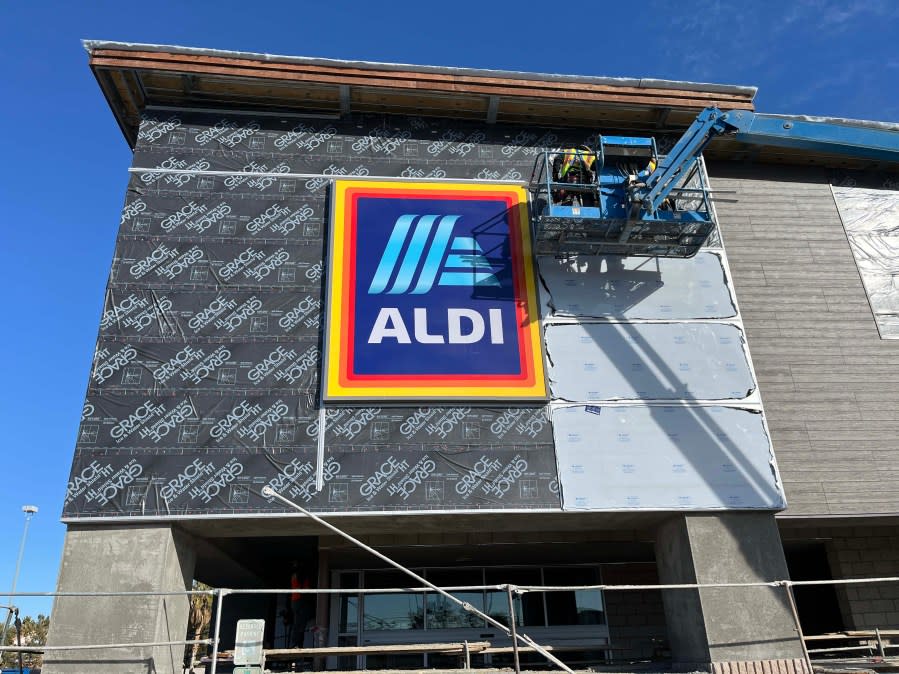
{"x": 29, "y": 511}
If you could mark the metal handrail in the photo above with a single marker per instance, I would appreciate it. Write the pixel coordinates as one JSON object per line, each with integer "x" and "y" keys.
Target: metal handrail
{"x": 221, "y": 593}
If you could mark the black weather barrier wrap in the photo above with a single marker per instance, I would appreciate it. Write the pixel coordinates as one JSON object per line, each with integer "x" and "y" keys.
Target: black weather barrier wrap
{"x": 204, "y": 385}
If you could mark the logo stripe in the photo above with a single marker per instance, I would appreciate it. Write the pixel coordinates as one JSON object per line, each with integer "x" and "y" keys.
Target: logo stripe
{"x": 466, "y": 244}
{"x": 435, "y": 254}
{"x": 413, "y": 255}
{"x": 468, "y": 278}
{"x": 466, "y": 259}
{"x": 391, "y": 254}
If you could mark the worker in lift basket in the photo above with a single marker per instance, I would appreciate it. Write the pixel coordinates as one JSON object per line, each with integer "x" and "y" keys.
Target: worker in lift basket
{"x": 642, "y": 176}
{"x": 574, "y": 165}
{"x": 637, "y": 182}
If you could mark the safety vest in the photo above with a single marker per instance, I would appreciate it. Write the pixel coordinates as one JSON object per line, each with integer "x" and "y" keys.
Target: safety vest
{"x": 578, "y": 159}
{"x": 645, "y": 173}
{"x": 297, "y": 583}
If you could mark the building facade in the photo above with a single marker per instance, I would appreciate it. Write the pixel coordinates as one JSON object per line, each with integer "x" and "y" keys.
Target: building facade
{"x": 640, "y": 452}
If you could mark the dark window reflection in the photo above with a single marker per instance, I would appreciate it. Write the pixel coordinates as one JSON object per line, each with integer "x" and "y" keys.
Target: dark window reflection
{"x": 349, "y": 604}
{"x": 528, "y": 607}
{"x": 573, "y": 607}
{"x": 393, "y": 611}
{"x": 433, "y": 611}
{"x": 446, "y": 614}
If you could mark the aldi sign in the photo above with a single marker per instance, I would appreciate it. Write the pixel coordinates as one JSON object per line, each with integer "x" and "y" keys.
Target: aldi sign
{"x": 431, "y": 294}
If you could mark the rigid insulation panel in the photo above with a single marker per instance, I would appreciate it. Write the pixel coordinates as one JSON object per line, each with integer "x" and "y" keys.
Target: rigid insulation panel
{"x": 647, "y": 361}
{"x": 636, "y": 287}
{"x": 664, "y": 458}
{"x": 655, "y": 401}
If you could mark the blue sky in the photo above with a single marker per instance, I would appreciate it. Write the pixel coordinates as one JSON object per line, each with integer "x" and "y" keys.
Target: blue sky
{"x": 64, "y": 168}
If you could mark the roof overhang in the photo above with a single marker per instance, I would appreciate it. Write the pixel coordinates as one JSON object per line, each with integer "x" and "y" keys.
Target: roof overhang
{"x": 134, "y": 77}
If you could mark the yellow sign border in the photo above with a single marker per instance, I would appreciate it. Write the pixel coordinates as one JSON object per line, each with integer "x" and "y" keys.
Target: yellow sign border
{"x": 333, "y": 390}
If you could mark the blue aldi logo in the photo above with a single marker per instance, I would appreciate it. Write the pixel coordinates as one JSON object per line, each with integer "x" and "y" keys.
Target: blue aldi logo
{"x": 466, "y": 262}
{"x": 431, "y": 294}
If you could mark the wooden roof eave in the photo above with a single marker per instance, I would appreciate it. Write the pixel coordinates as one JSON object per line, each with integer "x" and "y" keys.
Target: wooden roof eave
{"x": 189, "y": 63}
{"x": 126, "y": 97}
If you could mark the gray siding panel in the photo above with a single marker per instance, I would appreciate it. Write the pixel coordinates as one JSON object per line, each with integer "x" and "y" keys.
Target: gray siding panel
{"x": 828, "y": 381}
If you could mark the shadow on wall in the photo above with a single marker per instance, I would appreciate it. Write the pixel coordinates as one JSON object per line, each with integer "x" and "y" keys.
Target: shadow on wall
{"x": 726, "y": 451}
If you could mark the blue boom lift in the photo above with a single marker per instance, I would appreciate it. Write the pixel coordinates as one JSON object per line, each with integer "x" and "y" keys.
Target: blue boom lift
{"x": 638, "y": 203}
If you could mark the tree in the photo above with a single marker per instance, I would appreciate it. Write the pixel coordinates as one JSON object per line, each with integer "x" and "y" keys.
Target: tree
{"x": 34, "y": 633}
{"x": 198, "y": 620}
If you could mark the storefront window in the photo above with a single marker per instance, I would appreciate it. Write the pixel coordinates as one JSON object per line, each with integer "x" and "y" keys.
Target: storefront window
{"x": 528, "y": 607}
{"x": 349, "y": 604}
{"x": 433, "y": 611}
{"x": 392, "y": 611}
{"x": 446, "y": 614}
{"x": 573, "y": 607}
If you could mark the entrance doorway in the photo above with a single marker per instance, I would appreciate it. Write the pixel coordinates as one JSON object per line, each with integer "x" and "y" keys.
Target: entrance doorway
{"x": 817, "y": 605}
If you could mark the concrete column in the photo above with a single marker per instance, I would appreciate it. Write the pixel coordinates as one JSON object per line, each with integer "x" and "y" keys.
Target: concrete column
{"x": 712, "y": 628}
{"x": 149, "y": 558}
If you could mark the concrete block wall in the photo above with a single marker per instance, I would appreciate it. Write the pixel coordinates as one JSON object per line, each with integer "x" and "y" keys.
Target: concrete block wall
{"x": 861, "y": 552}
{"x": 827, "y": 380}
{"x": 636, "y": 619}
{"x": 867, "y": 552}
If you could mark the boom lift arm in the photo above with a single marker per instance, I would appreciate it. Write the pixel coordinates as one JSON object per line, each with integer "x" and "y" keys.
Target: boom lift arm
{"x": 749, "y": 127}
{"x": 653, "y": 213}
{"x": 710, "y": 123}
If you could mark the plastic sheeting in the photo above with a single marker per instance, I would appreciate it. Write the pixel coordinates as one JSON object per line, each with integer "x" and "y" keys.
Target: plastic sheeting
{"x": 871, "y": 220}
{"x": 163, "y": 454}
{"x": 205, "y": 381}
{"x": 635, "y": 287}
{"x": 180, "y": 314}
{"x": 181, "y": 153}
{"x": 383, "y": 479}
{"x": 211, "y": 422}
{"x": 647, "y": 361}
{"x": 158, "y": 264}
{"x": 664, "y": 458}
